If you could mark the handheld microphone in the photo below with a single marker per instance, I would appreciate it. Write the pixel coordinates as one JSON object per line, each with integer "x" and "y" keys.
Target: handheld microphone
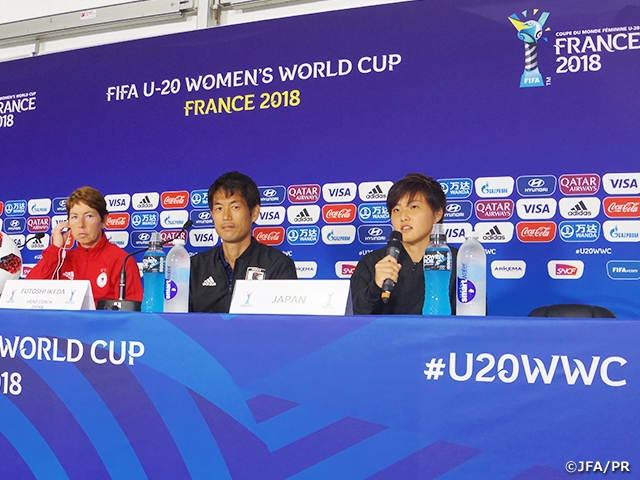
{"x": 132, "y": 305}
{"x": 393, "y": 248}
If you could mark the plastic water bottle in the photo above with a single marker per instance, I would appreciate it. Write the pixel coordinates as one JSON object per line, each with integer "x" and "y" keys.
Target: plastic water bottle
{"x": 176, "y": 284}
{"x": 471, "y": 283}
{"x": 437, "y": 274}
{"x": 153, "y": 267}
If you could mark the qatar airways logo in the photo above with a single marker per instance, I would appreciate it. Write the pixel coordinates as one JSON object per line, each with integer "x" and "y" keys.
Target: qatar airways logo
{"x": 565, "y": 269}
{"x": 345, "y": 269}
{"x": 178, "y": 199}
{"x": 494, "y": 209}
{"x": 38, "y": 224}
{"x": 621, "y": 183}
{"x": 622, "y": 207}
{"x": 269, "y": 235}
{"x": 304, "y": 193}
{"x": 339, "y": 213}
{"x": 117, "y": 221}
{"x": 582, "y": 184}
{"x": 536, "y": 232}
{"x": 487, "y": 187}
{"x": 39, "y": 206}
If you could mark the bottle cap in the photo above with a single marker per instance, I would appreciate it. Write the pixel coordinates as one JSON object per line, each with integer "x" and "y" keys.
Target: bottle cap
{"x": 178, "y": 241}
{"x": 156, "y": 240}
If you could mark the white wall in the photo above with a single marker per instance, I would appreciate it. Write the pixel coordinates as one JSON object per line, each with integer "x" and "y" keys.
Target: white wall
{"x": 38, "y": 27}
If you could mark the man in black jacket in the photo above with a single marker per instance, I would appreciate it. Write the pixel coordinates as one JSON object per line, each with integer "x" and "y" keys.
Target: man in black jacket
{"x": 234, "y": 201}
{"x": 415, "y": 204}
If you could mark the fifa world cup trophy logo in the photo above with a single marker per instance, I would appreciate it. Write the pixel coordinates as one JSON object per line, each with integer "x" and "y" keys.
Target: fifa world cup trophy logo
{"x": 530, "y": 32}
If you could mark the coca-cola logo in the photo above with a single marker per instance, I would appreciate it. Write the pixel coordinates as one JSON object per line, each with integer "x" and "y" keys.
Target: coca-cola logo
{"x": 303, "y": 193}
{"x": 585, "y": 184}
{"x": 622, "y": 207}
{"x": 536, "y": 231}
{"x": 339, "y": 213}
{"x": 38, "y": 224}
{"x": 117, "y": 221}
{"x": 175, "y": 199}
{"x": 1, "y": 207}
{"x": 269, "y": 236}
{"x": 494, "y": 209}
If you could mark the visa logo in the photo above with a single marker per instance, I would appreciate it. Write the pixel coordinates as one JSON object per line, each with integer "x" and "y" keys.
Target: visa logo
{"x": 536, "y": 208}
{"x": 455, "y": 232}
{"x": 340, "y": 192}
{"x": 271, "y": 215}
{"x": 204, "y": 237}
{"x": 117, "y": 202}
{"x": 624, "y": 183}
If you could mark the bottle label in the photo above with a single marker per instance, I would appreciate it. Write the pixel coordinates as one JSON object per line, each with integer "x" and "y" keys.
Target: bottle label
{"x": 170, "y": 289}
{"x": 153, "y": 264}
{"x": 437, "y": 260}
{"x": 466, "y": 290}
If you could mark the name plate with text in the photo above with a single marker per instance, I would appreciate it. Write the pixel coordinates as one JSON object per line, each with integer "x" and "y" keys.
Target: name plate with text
{"x": 292, "y": 297}
{"x": 48, "y": 295}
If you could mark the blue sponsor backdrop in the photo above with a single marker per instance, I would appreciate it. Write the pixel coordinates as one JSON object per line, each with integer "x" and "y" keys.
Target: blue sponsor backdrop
{"x": 350, "y": 97}
{"x": 254, "y": 397}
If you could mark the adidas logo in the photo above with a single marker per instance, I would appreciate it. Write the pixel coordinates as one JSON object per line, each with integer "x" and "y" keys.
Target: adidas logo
{"x": 376, "y": 193}
{"x": 494, "y": 234}
{"x": 68, "y": 275}
{"x": 209, "y": 282}
{"x": 579, "y": 210}
{"x": 145, "y": 203}
{"x": 303, "y": 216}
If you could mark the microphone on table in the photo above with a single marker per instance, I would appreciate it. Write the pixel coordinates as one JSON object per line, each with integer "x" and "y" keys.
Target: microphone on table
{"x": 393, "y": 248}
{"x": 37, "y": 236}
{"x": 133, "y": 305}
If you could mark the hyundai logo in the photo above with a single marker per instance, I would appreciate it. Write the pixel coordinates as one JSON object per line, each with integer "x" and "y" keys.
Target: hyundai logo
{"x": 536, "y": 183}
{"x": 144, "y": 237}
{"x": 454, "y": 207}
{"x": 204, "y": 215}
{"x": 375, "y": 231}
{"x": 14, "y": 223}
{"x": 269, "y": 192}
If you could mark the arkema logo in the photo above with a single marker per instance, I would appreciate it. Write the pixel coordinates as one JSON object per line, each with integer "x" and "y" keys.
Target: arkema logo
{"x": 271, "y": 216}
{"x": 456, "y": 187}
{"x": 622, "y": 230}
{"x": 508, "y": 269}
{"x": 458, "y": 211}
{"x": 488, "y": 187}
{"x": 374, "y": 191}
{"x": 494, "y": 232}
{"x": 536, "y": 209}
{"x": 199, "y": 198}
{"x": 306, "y": 269}
{"x": 565, "y": 269}
{"x": 623, "y": 269}
{"x": 621, "y": 183}
{"x": 272, "y": 195}
{"x": 306, "y": 215}
{"x": 39, "y": 206}
{"x": 373, "y": 213}
{"x": 579, "y": 231}
{"x": 579, "y": 207}
{"x": 339, "y": 192}
{"x": 536, "y": 186}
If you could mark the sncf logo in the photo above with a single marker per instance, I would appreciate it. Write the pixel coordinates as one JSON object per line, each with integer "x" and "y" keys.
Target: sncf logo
{"x": 345, "y": 269}
{"x": 117, "y": 221}
{"x": 565, "y": 269}
{"x": 540, "y": 232}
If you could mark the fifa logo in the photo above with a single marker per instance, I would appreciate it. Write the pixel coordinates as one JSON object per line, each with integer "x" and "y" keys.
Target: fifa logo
{"x": 530, "y": 32}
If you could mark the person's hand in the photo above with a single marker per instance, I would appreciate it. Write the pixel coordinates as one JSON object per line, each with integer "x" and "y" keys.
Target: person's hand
{"x": 58, "y": 237}
{"x": 388, "y": 267}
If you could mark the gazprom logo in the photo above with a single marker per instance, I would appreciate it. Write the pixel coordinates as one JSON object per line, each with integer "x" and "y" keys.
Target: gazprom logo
{"x": 39, "y": 206}
{"x": 307, "y": 235}
{"x": 15, "y": 208}
{"x": 536, "y": 186}
{"x": 458, "y": 211}
{"x": 579, "y": 231}
{"x": 144, "y": 220}
{"x": 273, "y": 195}
{"x": 456, "y": 187}
{"x": 374, "y": 234}
{"x": 494, "y": 187}
{"x": 199, "y": 198}
{"x": 623, "y": 269}
{"x": 201, "y": 218}
{"x": 373, "y": 212}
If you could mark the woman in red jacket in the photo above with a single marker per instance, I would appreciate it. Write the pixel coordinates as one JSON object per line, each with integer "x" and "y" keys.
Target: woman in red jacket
{"x": 94, "y": 258}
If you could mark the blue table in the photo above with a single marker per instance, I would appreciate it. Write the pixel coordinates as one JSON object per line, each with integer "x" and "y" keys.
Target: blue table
{"x": 129, "y": 395}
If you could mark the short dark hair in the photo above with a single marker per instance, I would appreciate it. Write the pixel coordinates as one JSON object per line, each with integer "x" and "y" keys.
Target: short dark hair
{"x": 414, "y": 184}
{"x": 236, "y": 182}
{"x": 90, "y": 197}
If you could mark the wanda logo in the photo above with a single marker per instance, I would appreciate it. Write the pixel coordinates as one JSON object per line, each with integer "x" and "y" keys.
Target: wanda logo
{"x": 269, "y": 236}
{"x": 339, "y": 213}
{"x": 117, "y": 221}
{"x": 536, "y": 231}
{"x": 622, "y": 207}
{"x": 175, "y": 199}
